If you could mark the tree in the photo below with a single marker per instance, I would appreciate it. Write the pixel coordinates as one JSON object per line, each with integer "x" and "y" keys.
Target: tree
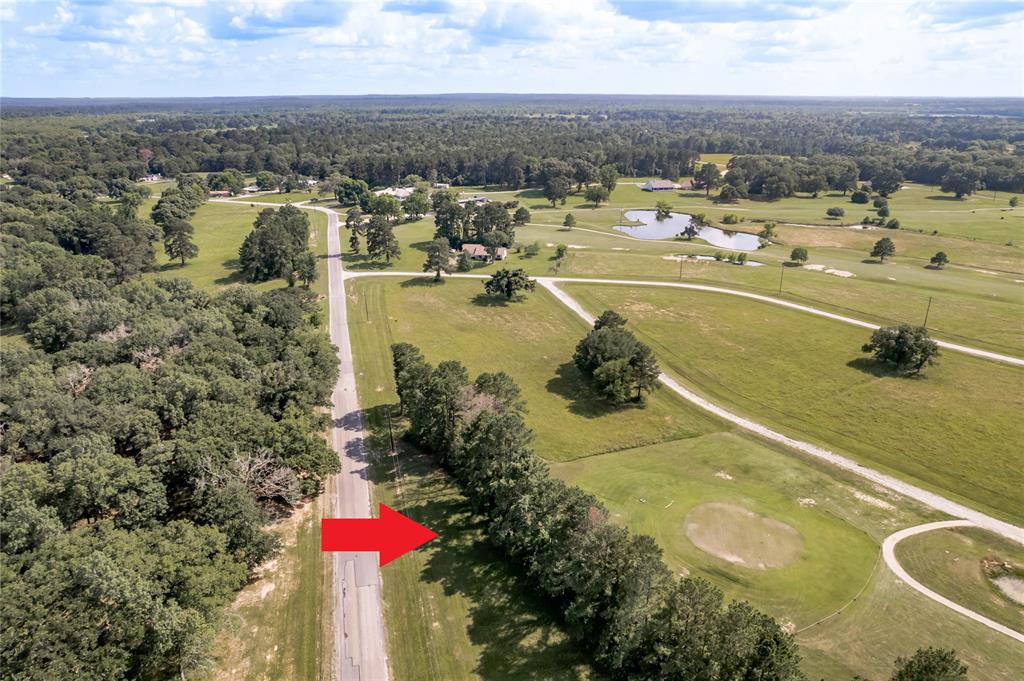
{"x": 465, "y": 263}
{"x": 178, "y": 244}
{"x": 380, "y": 239}
{"x": 569, "y": 222}
{"x": 1014, "y": 201}
{"x": 508, "y": 283}
{"x": 610, "y": 319}
{"x": 417, "y": 204}
{"x": 940, "y": 260}
{"x": 596, "y": 194}
{"x": 267, "y": 180}
{"x": 798, "y": 255}
{"x": 907, "y": 348}
{"x": 351, "y": 192}
{"x": 729, "y": 194}
{"x": 860, "y": 196}
{"x": 883, "y": 249}
{"x": 663, "y": 210}
{"x": 492, "y": 241}
{"x": 521, "y": 216}
{"x": 930, "y": 664}
{"x": 560, "y": 251}
{"x": 438, "y": 258}
{"x": 961, "y": 179}
{"x": 883, "y": 212}
{"x": 305, "y": 268}
{"x": 556, "y": 189}
{"x": 386, "y": 206}
{"x": 886, "y": 180}
{"x": 608, "y": 177}
{"x": 643, "y": 371}
{"x": 277, "y": 239}
{"x": 707, "y": 177}
{"x": 835, "y": 212}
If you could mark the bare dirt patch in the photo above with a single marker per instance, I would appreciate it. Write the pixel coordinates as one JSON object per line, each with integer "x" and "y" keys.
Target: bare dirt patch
{"x": 742, "y": 537}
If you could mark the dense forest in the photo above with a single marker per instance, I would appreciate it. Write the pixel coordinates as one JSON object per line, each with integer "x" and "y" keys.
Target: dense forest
{"x": 150, "y": 430}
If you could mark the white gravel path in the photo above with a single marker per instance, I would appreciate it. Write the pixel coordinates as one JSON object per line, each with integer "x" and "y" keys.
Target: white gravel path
{"x": 889, "y": 555}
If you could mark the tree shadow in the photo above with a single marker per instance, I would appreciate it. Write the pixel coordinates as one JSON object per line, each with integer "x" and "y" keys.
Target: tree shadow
{"x": 235, "y": 277}
{"x": 790, "y": 263}
{"x": 570, "y": 383}
{"x": 426, "y": 280}
{"x": 487, "y": 300}
{"x": 421, "y": 246}
{"x": 937, "y": 197}
{"x": 872, "y": 261}
{"x": 514, "y": 626}
{"x": 363, "y": 262}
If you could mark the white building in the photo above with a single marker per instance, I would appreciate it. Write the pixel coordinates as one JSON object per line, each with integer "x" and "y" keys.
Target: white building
{"x": 660, "y": 186}
{"x": 400, "y": 193}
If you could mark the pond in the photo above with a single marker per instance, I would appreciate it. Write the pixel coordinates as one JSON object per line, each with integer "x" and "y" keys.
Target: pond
{"x": 677, "y": 223}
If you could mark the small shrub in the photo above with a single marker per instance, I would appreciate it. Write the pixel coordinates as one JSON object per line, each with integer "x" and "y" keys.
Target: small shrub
{"x": 719, "y": 256}
{"x": 561, "y": 250}
{"x": 860, "y": 196}
{"x": 533, "y": 249}
{"x": 893, "y": 224}
{"x": 730, "y": 219}
{"x": 741, "y": 259}
{"x": 835, "y": 212}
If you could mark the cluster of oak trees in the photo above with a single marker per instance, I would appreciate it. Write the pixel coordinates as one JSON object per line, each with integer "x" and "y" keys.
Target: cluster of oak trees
{"x": 149, "y": 433}
{"x": 621, "y": 367}
{"x": 610, "y": 587}
{"x": 278, "y": 246}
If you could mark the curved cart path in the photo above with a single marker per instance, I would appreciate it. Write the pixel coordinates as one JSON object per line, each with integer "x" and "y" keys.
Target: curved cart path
{"x": 930, "y": 499}
{"x": 889, "y": 555}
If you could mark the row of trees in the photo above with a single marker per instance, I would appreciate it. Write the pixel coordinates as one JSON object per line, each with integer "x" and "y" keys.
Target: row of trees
{"x": 610, "y": 587}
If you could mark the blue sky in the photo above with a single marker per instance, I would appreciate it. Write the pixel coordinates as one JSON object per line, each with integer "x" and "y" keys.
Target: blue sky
{"x": 97, "y": 48}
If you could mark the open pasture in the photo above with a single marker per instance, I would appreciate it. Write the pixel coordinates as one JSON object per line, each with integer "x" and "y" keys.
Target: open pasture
{"x": 949, "y": 430}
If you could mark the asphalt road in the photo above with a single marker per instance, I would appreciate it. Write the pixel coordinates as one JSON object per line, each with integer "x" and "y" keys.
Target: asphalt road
{"x": 359, "y": 636}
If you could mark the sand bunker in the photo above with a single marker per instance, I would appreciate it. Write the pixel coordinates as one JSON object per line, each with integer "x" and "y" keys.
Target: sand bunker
{"x": 742, "y": 537}
{"x": 1012, "y": 586}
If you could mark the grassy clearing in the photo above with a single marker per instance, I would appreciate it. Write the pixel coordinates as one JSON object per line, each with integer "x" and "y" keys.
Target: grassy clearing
{"x": 272, "y": 632}
{"x": 454, "y": 320}
{"x": 949, "y": 562}
{"x": 806, "y": 376}
{"x": 454, "y": 609}
{"x": 220, "y": 229}
{"x": 841, "y": 531}
{"x": 966, "y": 305}
{"x": 277, "y": 197}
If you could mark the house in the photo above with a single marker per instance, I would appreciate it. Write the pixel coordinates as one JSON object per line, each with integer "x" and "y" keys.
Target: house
{"x": 660, "y": 186}
{"x": 479, "y": 252}
{"x": 686, "y": 184}
{"x": 442, "y": 185}
{"x": 219, "y": 192}
{"x": 251, "y": 189}
{"x": 310, "y": 182}
{"x": 155, "y": 177}
{"x": 400, "y": 193}
{"x": 475, "y": 201}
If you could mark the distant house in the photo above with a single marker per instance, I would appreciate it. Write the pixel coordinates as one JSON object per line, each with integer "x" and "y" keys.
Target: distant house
{"x": 155, "y": 177}
{"x": 479, "y": 252}
{"x": 310, "y": 182}
{"x": 866, "y": 184}
{"x": 442, "y": 185}
{"x": 219, "y": 192}
{"x": 686, "y": 184}
{"x": 475, "y": 201}
{"x": 400, "y": 193}
{"x": 251, "y": 189}
{"x": 660, "y": 186}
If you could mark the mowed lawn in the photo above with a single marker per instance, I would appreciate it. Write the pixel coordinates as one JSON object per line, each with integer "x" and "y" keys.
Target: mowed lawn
{"x": 439, "y": 598}
{"x": 955, "y": 430}
{"x": 532, "y": 339}
{"x": 851, "y": 616}
{"x": 949, "y": 562}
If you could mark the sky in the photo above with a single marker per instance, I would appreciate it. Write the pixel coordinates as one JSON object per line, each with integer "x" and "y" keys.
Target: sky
{"x": 179, "y": 48}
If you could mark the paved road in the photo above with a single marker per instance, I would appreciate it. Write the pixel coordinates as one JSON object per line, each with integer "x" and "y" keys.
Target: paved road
{"x": 360, "y": 646}
{"x": 359, "y": 639}
{"x": 889, "y": 555}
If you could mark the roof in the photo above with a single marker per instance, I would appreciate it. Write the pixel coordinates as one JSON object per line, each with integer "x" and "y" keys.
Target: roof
{"x": 661, "y": 184}
{"x": 397, "y": 192}
{"x": 481, "y": 250}
{"x": 478, "y": 200}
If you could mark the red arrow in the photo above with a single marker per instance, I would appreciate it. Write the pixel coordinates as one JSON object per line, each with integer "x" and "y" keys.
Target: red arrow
{"x": 391, "y": 535}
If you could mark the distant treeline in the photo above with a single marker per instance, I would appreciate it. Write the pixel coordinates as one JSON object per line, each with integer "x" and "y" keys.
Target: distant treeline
{"x": 474, "y": 141}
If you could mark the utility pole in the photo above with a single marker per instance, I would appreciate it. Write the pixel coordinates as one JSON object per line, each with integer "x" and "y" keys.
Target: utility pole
{"x": 927, "y": 311}
{"x": 782, "y": 272}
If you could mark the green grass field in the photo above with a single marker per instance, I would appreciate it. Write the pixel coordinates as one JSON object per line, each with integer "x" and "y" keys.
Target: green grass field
{"x": 454, "y": 320}
{"x": 840, "y": 532}
{"x": 277, "y": 197}
{"x": 966, "y": 305}
{"x": 807, "y": 376}
{"x": 949, "y": 562}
